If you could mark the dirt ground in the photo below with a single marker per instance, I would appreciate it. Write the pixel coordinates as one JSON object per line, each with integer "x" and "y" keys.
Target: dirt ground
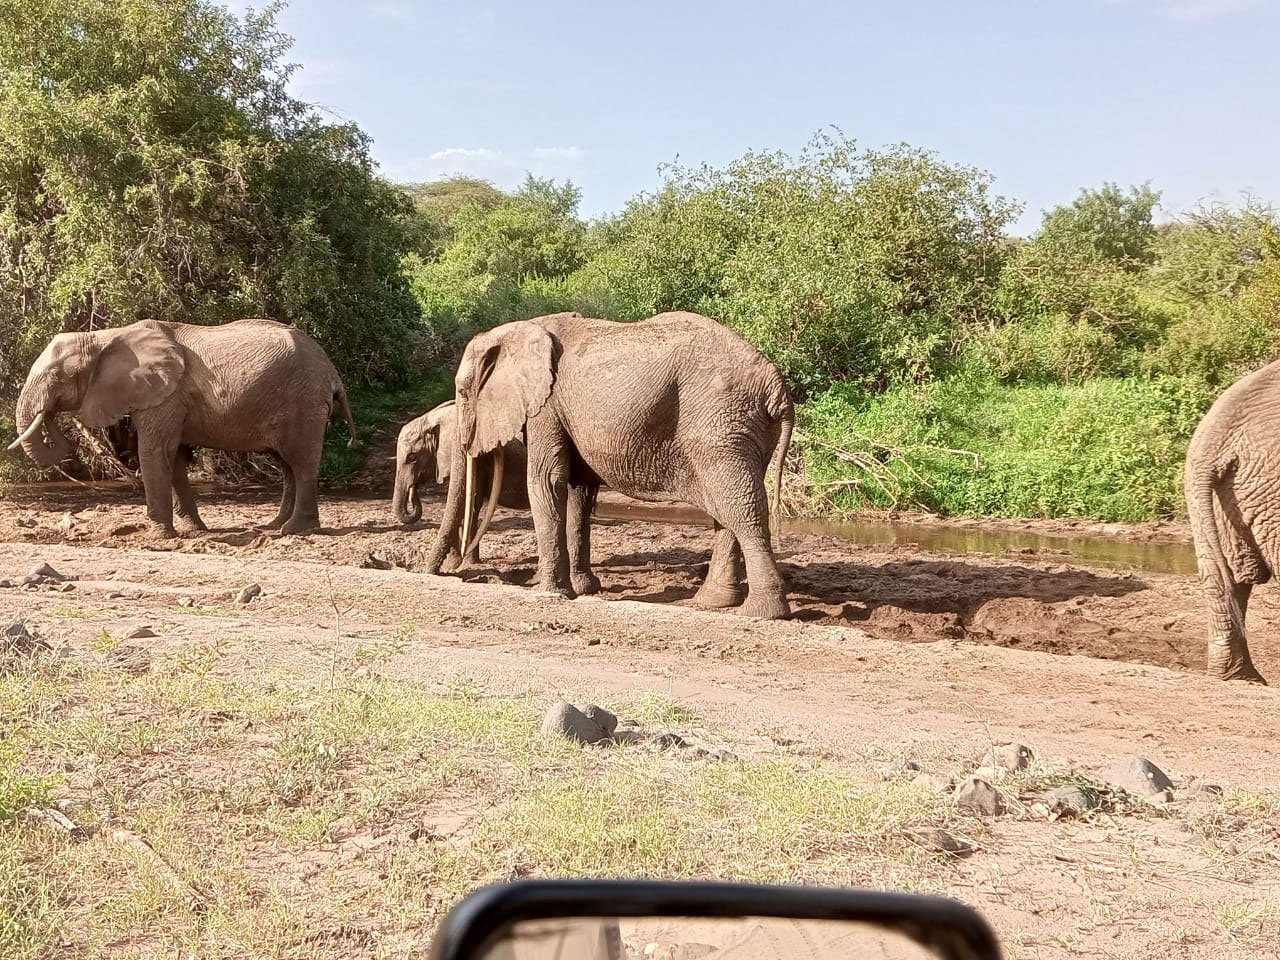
{"x": 891, "y": 649}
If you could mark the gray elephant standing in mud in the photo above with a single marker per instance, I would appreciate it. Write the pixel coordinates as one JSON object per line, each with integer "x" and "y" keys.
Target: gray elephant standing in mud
{"x": 1232, "y": 486}
{"x": 424, "y": 454}
{"x": 676, "y": 407}
{"x": 252, "y": 385}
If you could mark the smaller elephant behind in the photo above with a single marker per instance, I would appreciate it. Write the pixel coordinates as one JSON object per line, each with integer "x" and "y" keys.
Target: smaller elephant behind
{"x": 424, "y": 453}
{"x": 1231, "y": 479}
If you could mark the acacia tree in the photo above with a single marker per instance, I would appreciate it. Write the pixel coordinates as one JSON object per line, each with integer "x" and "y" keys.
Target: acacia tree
{"x": 153, "y": 163}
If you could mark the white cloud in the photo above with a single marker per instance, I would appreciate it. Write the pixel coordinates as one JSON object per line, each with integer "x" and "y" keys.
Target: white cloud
{"x": 1198, "y": 11}
{"x": 403, "y": 12}
{"x": 504, "y": 168}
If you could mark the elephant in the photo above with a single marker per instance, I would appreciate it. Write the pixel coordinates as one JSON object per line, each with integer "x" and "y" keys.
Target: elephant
{"x": 1231, "y": 481}
{"x": 424, "y": 454}
{"x": 676, "y": 407}
{"x": 251, "y": 385}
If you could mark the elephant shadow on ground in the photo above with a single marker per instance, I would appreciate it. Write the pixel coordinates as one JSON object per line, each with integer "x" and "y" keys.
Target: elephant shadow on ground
{"x": 906, "y": 596}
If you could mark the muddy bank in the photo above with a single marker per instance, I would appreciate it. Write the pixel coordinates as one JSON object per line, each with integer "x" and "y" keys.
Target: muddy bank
{"x": 911, "y": 583}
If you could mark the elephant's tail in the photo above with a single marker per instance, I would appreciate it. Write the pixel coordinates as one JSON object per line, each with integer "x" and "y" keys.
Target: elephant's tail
{"x": 1201, "y": 484}
{"x": 340, "y": 394}
{"x": 787, "y": 415}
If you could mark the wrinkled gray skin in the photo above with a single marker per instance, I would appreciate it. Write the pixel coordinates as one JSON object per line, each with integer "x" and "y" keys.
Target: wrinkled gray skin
{"x": 677, "y": 407}
{"x": 424, "y": 454}
{"x": 252, "y": 385}
{"x": 1232, "y": 485}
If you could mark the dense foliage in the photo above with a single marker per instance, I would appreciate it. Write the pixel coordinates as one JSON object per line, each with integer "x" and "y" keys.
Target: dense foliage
{"x": 153, "y": 163}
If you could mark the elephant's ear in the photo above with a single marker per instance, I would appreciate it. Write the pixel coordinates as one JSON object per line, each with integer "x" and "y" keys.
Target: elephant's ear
{"x": 504, "y": 379}
{"x": 138, "y": 366}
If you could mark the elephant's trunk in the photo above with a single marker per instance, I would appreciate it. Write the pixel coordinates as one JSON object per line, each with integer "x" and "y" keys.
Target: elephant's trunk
{"x": 34, "y": 416}
{"x": 407, "y": 500}
{"x": 451, "y": 517}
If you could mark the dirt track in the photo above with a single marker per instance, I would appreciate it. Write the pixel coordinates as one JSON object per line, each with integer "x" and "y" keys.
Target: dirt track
{"x": 880, "y": 657}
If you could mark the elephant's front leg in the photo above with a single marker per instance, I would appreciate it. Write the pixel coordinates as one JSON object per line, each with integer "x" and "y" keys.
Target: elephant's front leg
{"x": 723, "y": 586}
{"x": 582, "y": 498}
{"x": 184, "y": 499}
{"x": 156, "y": 454}
{"x": 548, "y": 475}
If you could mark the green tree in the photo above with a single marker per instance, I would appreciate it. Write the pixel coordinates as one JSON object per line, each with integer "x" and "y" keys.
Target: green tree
{"x": 152, "y": 163}
{"x": 436, "y": 205}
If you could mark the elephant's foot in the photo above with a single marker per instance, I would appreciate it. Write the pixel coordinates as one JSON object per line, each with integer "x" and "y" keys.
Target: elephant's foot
{"x": 192, "y": 525}
{"x": 161, "y": 531}
{"x": 546, "y": 589}
{"x": 1225, "y": 666}
{"x": 275, "y": 524}
{"x": 717, "y": 596}
{"x": 301, "y": 525}
{"x": 585, "y": 583}
{"x": 1246, "y": 672}
{"x": 765, "y": 606}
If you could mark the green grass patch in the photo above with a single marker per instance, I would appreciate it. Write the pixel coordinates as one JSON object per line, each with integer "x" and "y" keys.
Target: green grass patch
{"x": 374, "y": 409}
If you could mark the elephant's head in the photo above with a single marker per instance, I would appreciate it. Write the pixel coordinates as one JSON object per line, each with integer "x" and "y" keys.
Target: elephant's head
{"x": 100, "y": 376}
{"x": 422, "y": 456}
{"x": 504, "y": 379}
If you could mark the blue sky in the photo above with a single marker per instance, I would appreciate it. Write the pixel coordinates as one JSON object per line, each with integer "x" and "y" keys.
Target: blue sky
{"x": 1048, "y": 97}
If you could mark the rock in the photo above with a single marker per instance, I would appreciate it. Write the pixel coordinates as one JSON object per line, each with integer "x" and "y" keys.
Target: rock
{"x": 44, "y": 570}
{"x": 899, "y": 767}
{"x": 1138, "y": 776}
{"x": 129, "y": 659}
{"x": 52, "y": 817}
{"x": 1071, "y": 800}
{"x": 32, "y": 580}
{"x": 724, "y": 756}
{"x": 6, "y": 584}
{"x": 17, "y": 640}
{"x": 186, "y": 602}
{"x": 249, "y": 593}
{"x": 1009, "y": 756}
{"x": 978, "y": 797}
{"x": 931, "y": 838}
{"x": 65, "y": 587}
{"x": 600, "y": 716}
{"x": 668, "y": 741}
{"x": 115, "y": 595}
{"x": 566, "y": 720}
{"x": 140, "y": 633}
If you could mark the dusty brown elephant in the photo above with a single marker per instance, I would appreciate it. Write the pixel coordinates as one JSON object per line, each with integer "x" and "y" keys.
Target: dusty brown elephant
{"x": 1232, "y": 486}
{"x": 251, "y": 385}
{"x": 424, "y": 454}
{"x": 676, "y": 407}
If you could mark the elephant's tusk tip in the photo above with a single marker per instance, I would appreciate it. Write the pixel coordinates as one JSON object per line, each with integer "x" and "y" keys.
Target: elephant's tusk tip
{"x": 15, "y": 445}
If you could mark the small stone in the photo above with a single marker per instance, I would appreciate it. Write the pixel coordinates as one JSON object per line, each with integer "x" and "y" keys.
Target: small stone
{"x": 186, "y": 602}
{"x": 978, "y": 797}
{"x": 934, "y": 839}
{"x": 44, "y": 570}
{"x": 605, "y": 720}
{"x": 593, "y": 641}
{"x": 1009, "y": 756}
{"x": 140, "y": 633}
{"x": 52, "y": 817}
{"x": 901, "y": 767}
{"x": 1138, "y": 776}
{"x": 65, "y": 587}
{"x": 668, "y": 741}
{"x": 32, "y": 580}
{"x": 566, "y": 720}
{"x": 933, "y": 781}
{"x": 724, "y": 756}
{"x": 249, "y": 593}
{"x": 18, "y": 640}
{"x": 1161, "y": 797}
{"x": 1070, "y": 800}
{"x": 6, "y": 584}
{"x": 115, "y": 595}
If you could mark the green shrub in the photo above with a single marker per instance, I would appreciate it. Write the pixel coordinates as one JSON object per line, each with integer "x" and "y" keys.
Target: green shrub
{"x": 1109, "y": 449}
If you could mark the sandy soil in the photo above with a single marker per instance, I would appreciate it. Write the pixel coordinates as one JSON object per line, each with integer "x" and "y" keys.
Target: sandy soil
{"x": 891, "y": 649}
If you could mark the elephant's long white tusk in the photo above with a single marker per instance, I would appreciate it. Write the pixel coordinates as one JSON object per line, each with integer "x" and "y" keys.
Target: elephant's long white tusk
{"x": 29, "y": 432}
{"x": 466, "y": 501}
{"x": 490, "y": 506}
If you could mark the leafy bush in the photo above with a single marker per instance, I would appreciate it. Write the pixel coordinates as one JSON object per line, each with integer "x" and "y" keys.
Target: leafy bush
{"x": 1108, "y": 449}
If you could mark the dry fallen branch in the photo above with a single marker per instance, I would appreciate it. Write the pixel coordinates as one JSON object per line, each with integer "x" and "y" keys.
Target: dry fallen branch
{"x": 127, "y": 838}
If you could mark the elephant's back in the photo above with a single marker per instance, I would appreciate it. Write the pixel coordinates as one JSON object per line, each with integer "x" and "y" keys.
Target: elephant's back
{"x": 1243, "y": 419}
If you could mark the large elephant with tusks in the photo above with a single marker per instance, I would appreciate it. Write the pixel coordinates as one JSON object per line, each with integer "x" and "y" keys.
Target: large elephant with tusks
{"x": 676, "y": 407}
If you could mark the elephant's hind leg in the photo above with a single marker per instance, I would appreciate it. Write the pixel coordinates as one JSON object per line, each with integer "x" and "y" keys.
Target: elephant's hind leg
{"x": 288, "y": 497}
{"x": 734, "y": 495}
{"x": 1228, "y": 647}
{"x": 184, "y": 499}
{"x": 723, "y": 586}
{"x": 304, "y": 463}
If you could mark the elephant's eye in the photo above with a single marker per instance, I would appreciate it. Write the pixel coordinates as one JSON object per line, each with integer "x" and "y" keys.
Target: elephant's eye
{"x": 410, "y": 458}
